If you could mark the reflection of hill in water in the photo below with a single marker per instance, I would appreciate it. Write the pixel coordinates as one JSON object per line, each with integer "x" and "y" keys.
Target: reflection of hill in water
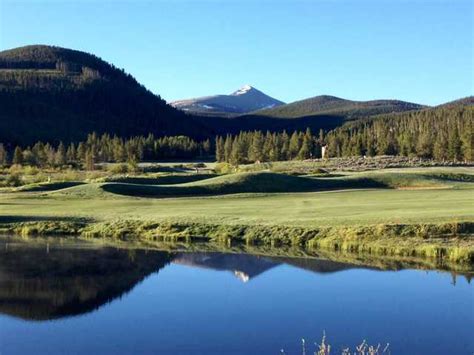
{"x": 40, "y": 285}
{"x": 317, "y": 265}
{"x": 246, "y": 266}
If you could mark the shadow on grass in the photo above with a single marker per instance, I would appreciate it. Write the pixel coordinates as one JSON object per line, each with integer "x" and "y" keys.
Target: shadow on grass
{"x": 162, "y": 180}
{"x": 458, "y": 177}
{"x": 244, "y": 183}
{"x": 48, "y": 186}
{"x": 23, "y": 219}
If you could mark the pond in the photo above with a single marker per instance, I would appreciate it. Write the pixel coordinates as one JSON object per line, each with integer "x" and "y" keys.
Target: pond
{"x": 81, "y": 298}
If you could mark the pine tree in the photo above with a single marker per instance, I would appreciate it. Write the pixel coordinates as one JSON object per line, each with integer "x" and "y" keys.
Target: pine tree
{"x": 267, "y": 147}
{"x": 256, "y": 148}
{"x": 220, "y": 155}
{"x": 284, "y": 149}
{"x": 423, "y": 146}
{"x": 454, "y": 145}
{"x": 81, "y": 152}
{"x": 306, "y": 150}
{"x": 17, "y": 156}
{"x": 294, "y": 146}
{"x": 60, "y": 158}
{"x": 206, "y": 147}
{"x": 467, "y": 141}
{"x": 235, "y": 155}
{"x": 89, "y": 160}
{"x": 228, "y": 148}
{"x": 440, "y": 146}
{"x": 71, "y": 154}
{"x": 3, "y": 155}
{"x": 370, "y": 146}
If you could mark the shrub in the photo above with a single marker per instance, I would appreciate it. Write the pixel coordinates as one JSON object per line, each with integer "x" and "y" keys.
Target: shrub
{"x": 30, "y": 170}
{"x": 223, "y": 168}
{"x": 118, "y": 168}
{"x": 13, "y": 180}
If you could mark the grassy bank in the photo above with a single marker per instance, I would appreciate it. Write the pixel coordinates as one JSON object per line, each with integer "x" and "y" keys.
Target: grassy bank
{"x": 402, "y": 212}
{"x": 451, "y": 242}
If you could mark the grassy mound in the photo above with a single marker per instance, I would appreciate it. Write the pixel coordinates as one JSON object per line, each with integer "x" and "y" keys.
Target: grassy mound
{"x": 264, "y": 182}
{"x": 267, "y": 182}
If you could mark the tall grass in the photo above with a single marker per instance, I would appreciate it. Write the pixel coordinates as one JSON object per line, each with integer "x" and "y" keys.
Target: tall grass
{"x": 324, "y": 348}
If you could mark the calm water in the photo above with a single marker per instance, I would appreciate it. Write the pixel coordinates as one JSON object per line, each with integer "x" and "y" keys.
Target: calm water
{"x": 78, "y": 299}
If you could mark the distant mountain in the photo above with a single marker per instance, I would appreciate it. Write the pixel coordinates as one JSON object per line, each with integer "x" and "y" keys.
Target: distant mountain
{"x": 335, "y": 106}
{"x": 52, "y": 93}
{"x": 320, "y": 112}
{"x": 465, "y": 101}
{"x": 244, "y": 100}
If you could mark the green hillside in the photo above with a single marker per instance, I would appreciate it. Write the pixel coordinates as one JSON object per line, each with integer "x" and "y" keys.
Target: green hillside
{"x": 52, "y": 93}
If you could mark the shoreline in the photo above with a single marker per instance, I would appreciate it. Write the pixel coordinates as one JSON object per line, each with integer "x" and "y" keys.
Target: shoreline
{"x": 445, "y": 242}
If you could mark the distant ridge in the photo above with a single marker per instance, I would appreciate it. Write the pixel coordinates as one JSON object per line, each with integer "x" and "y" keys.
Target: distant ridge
{"x": 331, "y": 105}
{"x": 243, "y": 100}
{"x": 465, "y": 101}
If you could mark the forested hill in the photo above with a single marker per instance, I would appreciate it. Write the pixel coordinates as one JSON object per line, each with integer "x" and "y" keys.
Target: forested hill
{"x": 335, "y": 106}
{"x": 465, "y": 101}
{"x": 51, "y": 93}
{"x": 320, "y": 112}
{"x": 442, "y": 133}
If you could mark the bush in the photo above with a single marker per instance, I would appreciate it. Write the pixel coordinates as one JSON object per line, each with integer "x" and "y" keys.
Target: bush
{"x": 13, "y": 180}
{"x": 118, "y": 168}
{"x": 15, "y": 168}
{"x": 71, "y": 175}
{"x": 30, "y": 170}
{"x": 224, "y": 168}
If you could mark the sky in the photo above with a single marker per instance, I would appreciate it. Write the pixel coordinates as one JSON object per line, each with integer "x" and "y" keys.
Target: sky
{"x": 413, "y": 50}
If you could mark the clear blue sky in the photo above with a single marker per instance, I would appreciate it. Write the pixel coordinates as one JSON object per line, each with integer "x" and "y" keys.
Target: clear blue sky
{"x": 415, "y": 50}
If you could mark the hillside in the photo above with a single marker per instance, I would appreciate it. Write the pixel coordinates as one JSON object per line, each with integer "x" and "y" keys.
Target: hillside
{"x": 52, "y": 93}
{"x": 335, "y": 106}
{"x": 465, "y": 101}
{"x": 441, "y": 133}
{"x": 321, "y": 112}
{"x": 244, "y": 100}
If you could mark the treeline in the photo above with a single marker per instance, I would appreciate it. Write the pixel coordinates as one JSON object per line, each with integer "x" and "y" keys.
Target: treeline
{"x": 106, "y": 148}
{"x": 440, "y": 134}
{"x": 249, "y": 147}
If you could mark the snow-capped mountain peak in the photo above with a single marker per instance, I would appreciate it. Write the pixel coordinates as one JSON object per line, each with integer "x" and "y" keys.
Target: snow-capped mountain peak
{"x": 243, "y": 90}
{"x": 244, "y": 100}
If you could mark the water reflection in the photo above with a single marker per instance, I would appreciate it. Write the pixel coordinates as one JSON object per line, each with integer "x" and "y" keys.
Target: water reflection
{"x": 43, "y": 281}
{"x": 246, "y": 267}
{"x": 48, "y": 282}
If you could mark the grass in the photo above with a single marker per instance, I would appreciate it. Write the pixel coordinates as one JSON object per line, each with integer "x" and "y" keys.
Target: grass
{"x": 267, "y": 182}
{"x": 368, "y": 212}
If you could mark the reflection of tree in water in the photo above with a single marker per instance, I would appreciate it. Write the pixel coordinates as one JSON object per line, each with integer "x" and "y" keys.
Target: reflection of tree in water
{"x": 40, "y": 284}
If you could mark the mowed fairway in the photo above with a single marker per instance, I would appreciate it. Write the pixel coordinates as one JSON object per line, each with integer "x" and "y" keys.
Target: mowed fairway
{"x": 325, "y": 208}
